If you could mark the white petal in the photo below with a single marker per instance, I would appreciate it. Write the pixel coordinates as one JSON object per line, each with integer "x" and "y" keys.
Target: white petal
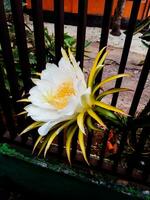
{"x": 85, "y": 97}
{"x": 38, "y": 99}
{"x": 65, "y": 65}
{"x": 43, "y": 130}
{"x": 53, "y": 74}
{"x": 79, "y": 87}
{"x": 78, "y": 71}
{"x": 41, "y": 114}
{"x": 72, "y": 108}
{"x": 45, "y": 87}
{"x": 35, "y": 80}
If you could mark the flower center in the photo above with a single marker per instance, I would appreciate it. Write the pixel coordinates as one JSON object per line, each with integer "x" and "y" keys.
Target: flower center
{"x": 61, "y": 98}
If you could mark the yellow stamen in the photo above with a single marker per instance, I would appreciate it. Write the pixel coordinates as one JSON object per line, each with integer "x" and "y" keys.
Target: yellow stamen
{"x": 61, "y": 97}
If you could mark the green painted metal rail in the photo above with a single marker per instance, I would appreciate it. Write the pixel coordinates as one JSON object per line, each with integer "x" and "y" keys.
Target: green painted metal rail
{"x": 43, "y": 179}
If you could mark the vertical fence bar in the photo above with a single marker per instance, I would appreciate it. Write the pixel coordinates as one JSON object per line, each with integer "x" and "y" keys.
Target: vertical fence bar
{"x": 4, "y": 100}
{"x": 148, "y": 9}
{"x": 123, "y": 140}
{"x": 127, "y": 44}
{"x": 145, "y": 110}
{"x": 141, "y": 83}
{"x": 59, "y": 41}
{"x": 37, "y": 15}
{"x": 146, "y": 171}
{"x": 102, "y": 151}
{"x": 144, "y": 10}
{"x": 135, "y": 157}
{"x": 7, "y": 55}
{"x": 105, "y": 29}
{"x": 18, "y": 18}
{"x": 81, "y": 30}
{"x": 89, "y": 144}
{"x": 106, "y": 23}
{"x": 2, "y": 125}
{"x": 59, "y": 27}
{"x": 6, "y": 107}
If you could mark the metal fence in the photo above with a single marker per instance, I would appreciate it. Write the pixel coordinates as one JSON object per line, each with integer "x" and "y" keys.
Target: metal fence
{"x": 10, "y": 124}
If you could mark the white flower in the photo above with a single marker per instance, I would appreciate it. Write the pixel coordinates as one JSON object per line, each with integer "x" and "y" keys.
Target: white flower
{"x": 61, "y": 99}
{"x": 58, "y": 94}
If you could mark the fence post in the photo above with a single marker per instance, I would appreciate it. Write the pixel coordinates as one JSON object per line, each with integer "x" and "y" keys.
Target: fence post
{"x": 105, "y": 29}
{"x": 59, "y": 27}
{"x": 141, "y": 83}
{"x": 37, "y": 14}
{"x": 127, "y": 44}
{"x": 8, "y": 56}
{"x": 81, "y": 30}
{"x": 18, "y": 19}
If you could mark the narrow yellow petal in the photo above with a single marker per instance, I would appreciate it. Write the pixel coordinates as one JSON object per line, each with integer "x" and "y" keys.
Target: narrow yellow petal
{"x": 54, "y": 134}
{"x": 70, "y": 135}
{"x": 98, "y": 68}
{"x": 90, "y": 124}
{"x": 64, "y": 54}
{"x": 93, "y": 69}
{"x": 96, "y": 117}
{"x": 108, "y": 107}
{"x": 103, "y": 58}
{"x": 22, "y": 113}
{"x": 82, "y": 145}
{"x": 106, "y": 80}
{"x": 37, "y": 73}
{"x": 72, "y": 58}
{"x": 32, "y": 126}
{"x": 111, "y": 91}
{"x": 80, "y": 121}
{"x": 37, "y": 142}
{"x": 44, "y": 144}
{"x": 24, "y": 100}
{"x": 52, "y": 137}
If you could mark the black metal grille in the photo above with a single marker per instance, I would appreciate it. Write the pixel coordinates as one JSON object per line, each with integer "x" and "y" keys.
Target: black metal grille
{"x": 8, "y": 105}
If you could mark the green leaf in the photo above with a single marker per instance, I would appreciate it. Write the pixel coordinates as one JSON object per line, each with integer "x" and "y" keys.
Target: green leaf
{"x": 70, "y": 134}
{"x": 106, "y": 113}
{"x": 87, "y": 43}
{"x": 146, "y": 35}
{"x": 142, "y": 25}
{"x": 82, "y": 145}
{"x": 145, "y": 43}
